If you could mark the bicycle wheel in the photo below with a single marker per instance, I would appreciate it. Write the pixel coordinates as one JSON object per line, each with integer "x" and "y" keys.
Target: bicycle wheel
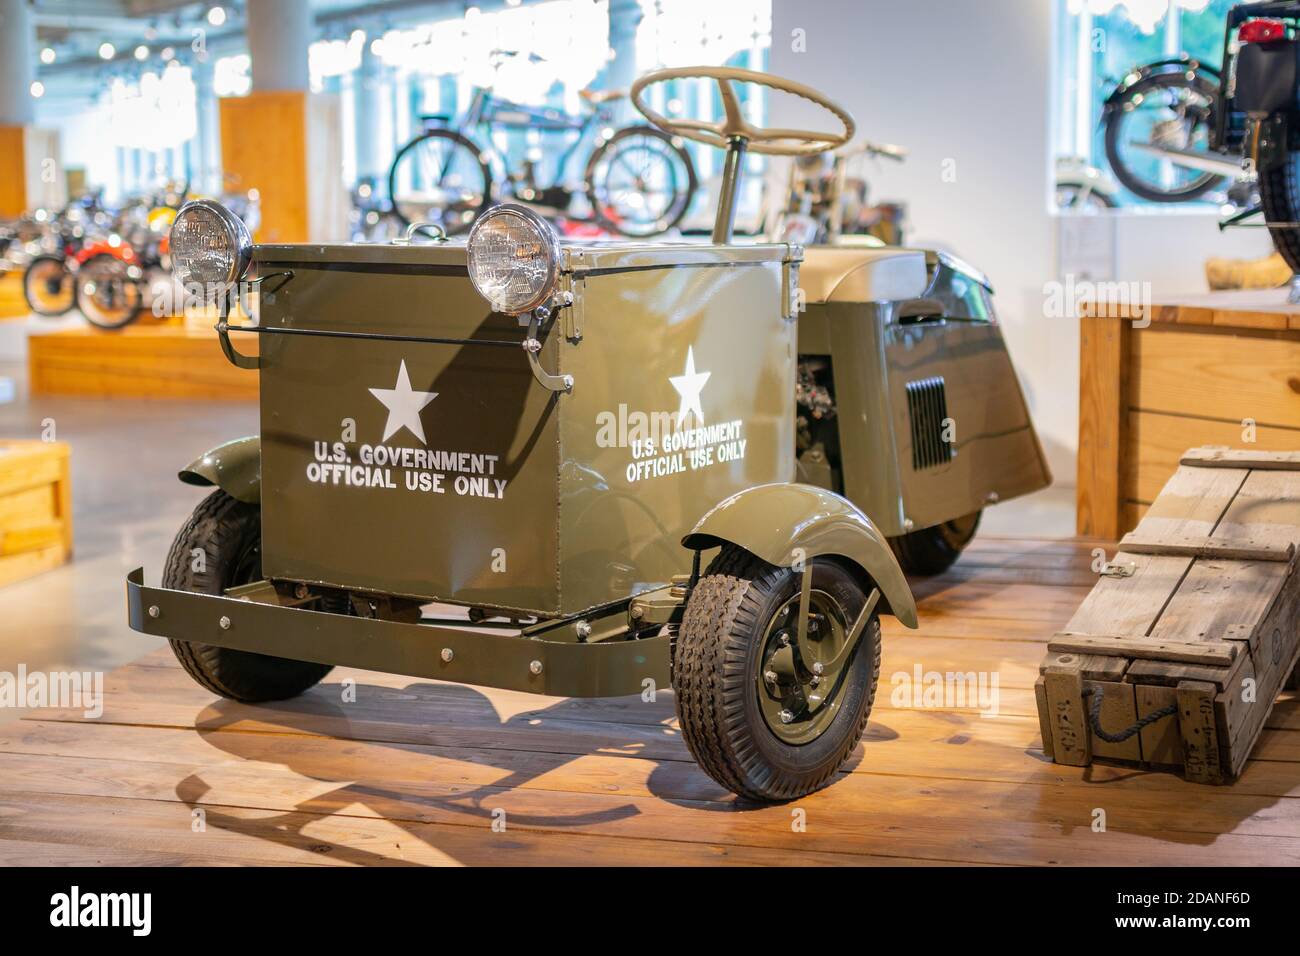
{"x": 1168, "y": 110}
{"x": 640, "y": 182}
{"x": 440, "y": 177}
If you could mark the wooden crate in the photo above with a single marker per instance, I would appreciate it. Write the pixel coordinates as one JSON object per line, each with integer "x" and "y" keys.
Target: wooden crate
{"x": 1193, "y": 628}
{"x": 35, "y": 508}
{"x": 1220, "y": 369}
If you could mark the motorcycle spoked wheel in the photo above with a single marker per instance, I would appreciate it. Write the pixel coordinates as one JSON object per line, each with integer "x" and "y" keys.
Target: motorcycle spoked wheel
{"x": 48, "y": 286}
{"x": 106, "y": 295}
{"x": 657, "y": 164}
{"x": 1160, "y": 84}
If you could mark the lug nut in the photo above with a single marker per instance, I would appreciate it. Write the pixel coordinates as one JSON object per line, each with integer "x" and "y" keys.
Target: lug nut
{"x": 447, "y": 655}
{"x": 769, "y": 676}
{"x": 786, "y": 716}
{"x": 818, "y": 667}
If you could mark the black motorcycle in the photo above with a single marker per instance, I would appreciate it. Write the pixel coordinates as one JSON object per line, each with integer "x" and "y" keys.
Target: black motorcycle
{"x": 1262, "y": 118}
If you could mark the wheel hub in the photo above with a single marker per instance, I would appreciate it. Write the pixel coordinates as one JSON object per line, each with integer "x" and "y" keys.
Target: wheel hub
{"x": 800, "y": 685}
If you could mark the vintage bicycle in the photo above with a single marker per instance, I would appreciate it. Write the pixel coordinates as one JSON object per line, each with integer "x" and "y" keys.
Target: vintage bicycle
{"x": 638, "y": 180}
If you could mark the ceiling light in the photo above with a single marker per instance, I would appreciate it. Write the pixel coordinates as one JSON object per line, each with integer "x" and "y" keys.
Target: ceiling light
{"x": 168, "y": 53}
{"x": 217, "y": 16}
{"x": 142, "y": 52}
{"x": 106, "y": 51}
{"x": 38, "y": 89}
{"x": 48, "y": 55}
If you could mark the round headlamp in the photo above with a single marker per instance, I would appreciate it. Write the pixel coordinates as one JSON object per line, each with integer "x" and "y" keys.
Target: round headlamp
{"x": 209, "y": 245}
{"x": 514, "y": 258}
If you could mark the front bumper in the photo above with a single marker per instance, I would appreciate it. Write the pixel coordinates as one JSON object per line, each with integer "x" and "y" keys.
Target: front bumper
{"x": 612, "y": 668}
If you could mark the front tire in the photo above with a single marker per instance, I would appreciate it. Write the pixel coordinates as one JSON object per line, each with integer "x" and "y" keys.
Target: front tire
{"x": 640, "y": 182}
{"x": 47, "y": 286}
{"x": 218, "y": 548}
{"x": 733, "y": 714}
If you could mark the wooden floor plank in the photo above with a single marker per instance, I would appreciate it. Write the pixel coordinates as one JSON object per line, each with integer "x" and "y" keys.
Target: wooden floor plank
{"x": 411, "y": 771}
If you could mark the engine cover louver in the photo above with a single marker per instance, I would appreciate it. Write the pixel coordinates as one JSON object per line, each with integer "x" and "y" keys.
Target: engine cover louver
{"x": 927, "y": 406}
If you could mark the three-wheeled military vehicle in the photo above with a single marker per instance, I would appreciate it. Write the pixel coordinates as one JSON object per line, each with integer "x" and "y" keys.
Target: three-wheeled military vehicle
{"x": 592, "y": 450}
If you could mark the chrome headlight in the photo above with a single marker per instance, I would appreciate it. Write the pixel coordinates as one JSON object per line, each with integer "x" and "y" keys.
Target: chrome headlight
{"x": 209, "y": 245}
{"x": 514, "y": 258}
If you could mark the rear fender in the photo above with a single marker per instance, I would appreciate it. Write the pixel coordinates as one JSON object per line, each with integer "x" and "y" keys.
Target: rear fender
{"x": 785, "y": 523}
{"x": 235, "y": 468}
{"x": 1199, "y": 70}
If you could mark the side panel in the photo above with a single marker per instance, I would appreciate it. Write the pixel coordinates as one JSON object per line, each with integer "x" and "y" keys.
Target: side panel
{"x": 682, "y": 388}
{"x": 465, "y": 511}
{"x": 995, "y": 451}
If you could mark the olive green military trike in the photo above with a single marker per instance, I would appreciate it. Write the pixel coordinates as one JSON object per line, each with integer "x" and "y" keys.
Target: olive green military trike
{"x": 584, "y": 455}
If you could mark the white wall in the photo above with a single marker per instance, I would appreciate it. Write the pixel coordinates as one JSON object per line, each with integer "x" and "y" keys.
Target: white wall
{"x": 965, "y": 85}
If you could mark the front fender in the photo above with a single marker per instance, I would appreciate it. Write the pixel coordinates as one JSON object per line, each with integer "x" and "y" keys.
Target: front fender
{"x": 783, "y": 522}
{"x": 235, "y": 468}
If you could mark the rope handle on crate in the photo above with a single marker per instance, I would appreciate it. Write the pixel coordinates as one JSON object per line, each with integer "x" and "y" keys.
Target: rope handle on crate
{"x": 1094, "y": 718}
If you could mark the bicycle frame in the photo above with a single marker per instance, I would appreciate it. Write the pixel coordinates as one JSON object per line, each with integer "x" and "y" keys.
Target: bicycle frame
{"x": 488, "y": 113}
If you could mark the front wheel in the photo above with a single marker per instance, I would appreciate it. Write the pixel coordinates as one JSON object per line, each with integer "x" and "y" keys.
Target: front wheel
{"x": 48, "y": 287}
{"x": 217, "y": 549}
{"x": 640, "y": 182}
{"x": 933, "y": 550}
{"x": 765, "y": 714}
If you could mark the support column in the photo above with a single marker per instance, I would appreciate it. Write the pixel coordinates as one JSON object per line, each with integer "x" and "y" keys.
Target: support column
{"x": 205, "y": 157}
{"x": 264, "y": 136}
{"x": 17, "y": 109}
{"x": 368, "y": 109}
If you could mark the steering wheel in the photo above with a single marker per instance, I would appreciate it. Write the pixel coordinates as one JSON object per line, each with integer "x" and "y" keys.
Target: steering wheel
{"x": 774, "y": 142}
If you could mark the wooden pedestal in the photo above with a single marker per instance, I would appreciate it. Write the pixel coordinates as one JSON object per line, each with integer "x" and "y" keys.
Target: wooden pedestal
{"x": 35, "y": 508}
{"x": 1219, "y": 369}
{"x": 12, "y": 303}
{"x": 145, "y": 360}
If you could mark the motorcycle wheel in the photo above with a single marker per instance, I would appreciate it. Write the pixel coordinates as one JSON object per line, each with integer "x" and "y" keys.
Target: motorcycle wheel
{"x": 1121, "y": 117}
{"x": 656, "y": 194}
{"x": 440, "y": 177}
{"x": 48, "y": 286}
{"x": 106, "y": 295}
{"x": 1279, "y": 195}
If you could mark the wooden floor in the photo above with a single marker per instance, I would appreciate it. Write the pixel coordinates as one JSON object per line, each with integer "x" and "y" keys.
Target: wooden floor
{"x": 416, "y": 772}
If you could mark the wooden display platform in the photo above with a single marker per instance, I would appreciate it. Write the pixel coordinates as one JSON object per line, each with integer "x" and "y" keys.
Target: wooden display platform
{"x": 149, "y": 359}
{"x": 35, "y": 508}
{"x": 12, "y": 303}
{"x": 1216, "y": 369}
{"x": 1177, "y": 655}
{"x": 415, "y": 772}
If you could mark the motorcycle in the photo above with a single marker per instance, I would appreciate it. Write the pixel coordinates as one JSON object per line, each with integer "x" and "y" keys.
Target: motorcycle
{"x": 825, "y": 201}
{"x": 1260, "y": 83}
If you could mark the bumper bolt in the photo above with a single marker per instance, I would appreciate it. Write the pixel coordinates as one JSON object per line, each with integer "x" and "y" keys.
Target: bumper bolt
{"x": 224, "y": 623}
{"x": 447, "y": 655}
{"x": 154, "y": 611}
{"x": 584, "y": 630}
{"x": 535, "y": 667}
